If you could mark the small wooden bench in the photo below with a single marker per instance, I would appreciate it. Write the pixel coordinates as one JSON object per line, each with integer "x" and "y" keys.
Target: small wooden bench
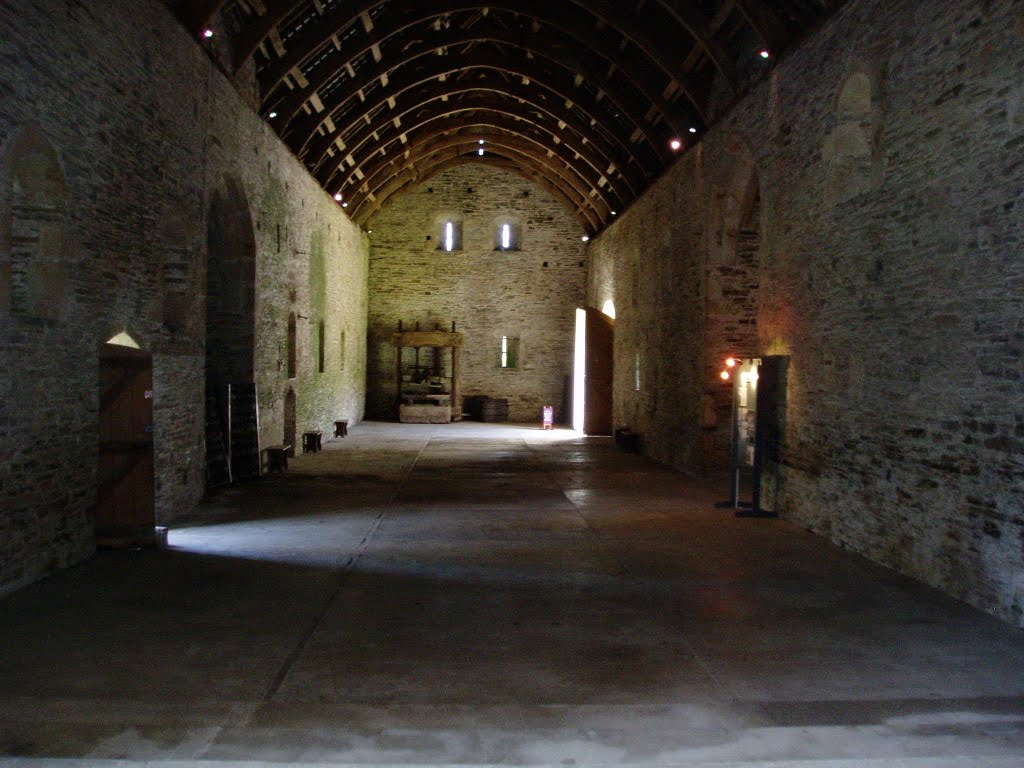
{"x": 277, "y": 457}
{"x": 311, "y": 441}
{"x": 341, "y": 428}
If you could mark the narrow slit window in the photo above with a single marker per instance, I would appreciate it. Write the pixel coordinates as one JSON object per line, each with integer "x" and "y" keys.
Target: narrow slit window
{"x": 320, "y": 345}
{"x": 508, "y": 357}
{"x": 506, "y": 236}
{"x": 449, "y": 234}
{"x": 291, "y": 351}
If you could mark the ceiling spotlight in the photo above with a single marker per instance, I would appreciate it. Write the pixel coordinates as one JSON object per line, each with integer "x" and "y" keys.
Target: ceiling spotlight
{"x": 344, "y": 205}
{"x": 480, "y": 151}
{"x": 481, "y": 141}
{"x": 338, "y": 197}
{"x": 693, "y": 130}
{"x": 207, "y": 33}
{"x": 766, "y": 54}
{"x": 273, "y": 115}
{"x": 675, "y": 144}
{"x": 615, "y": 213}
{"x": 585, "y": 239}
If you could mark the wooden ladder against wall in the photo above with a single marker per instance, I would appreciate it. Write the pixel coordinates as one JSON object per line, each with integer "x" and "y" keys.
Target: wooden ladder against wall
{"x": 218, "y": 467}
{"x": 245, "y": 431}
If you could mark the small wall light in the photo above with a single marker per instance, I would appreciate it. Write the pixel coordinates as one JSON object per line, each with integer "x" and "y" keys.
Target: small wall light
{"x": 207, "y": 33}
{"x": 675, "y": 144}
{"x": 337, "y": 197}
{"x": 766, "y": 54}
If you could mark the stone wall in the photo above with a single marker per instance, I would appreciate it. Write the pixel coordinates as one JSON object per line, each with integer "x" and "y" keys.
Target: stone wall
{"x": 117, "y": 136}
{"x": 889, "y": 268}
{"x": 529, "y": 294}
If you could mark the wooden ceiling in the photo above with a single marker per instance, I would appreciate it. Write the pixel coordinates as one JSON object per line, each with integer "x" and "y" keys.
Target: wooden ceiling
{"x": 583, "y": 97}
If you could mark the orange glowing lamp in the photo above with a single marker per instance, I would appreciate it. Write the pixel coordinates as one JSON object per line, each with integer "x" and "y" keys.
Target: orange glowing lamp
{"x": 730, "y": 362}
{"x": 725, "y": 375}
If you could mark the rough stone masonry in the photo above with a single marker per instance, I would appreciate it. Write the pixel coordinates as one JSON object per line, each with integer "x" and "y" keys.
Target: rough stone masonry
{"x": 890, "y": 269}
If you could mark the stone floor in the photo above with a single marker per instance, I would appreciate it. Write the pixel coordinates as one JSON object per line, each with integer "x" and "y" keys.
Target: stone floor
{"x": 482, "y": 594}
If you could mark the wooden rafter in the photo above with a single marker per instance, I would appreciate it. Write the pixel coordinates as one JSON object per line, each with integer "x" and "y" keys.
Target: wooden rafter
{"x": 404, "y": 98}
{"x": 544, "y": 62}
{"x": 435, "y": 166}
{"x": 492, "y": 127}
{"x": 526, "y": 165}
{"x": 580, "y": 158}
{"x": 577, "y": 27}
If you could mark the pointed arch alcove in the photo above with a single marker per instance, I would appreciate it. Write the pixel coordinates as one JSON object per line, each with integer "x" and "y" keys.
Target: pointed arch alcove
{"x": 33, "y": 273}
{"x": 232, "y": 414}
{"x": 732, "y": 280}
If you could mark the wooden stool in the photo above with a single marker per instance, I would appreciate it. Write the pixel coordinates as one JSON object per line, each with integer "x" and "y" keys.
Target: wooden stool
{"x": 277, "y": 457}
{"x": 341, "y": 428}
{"x": 311, "y": 442}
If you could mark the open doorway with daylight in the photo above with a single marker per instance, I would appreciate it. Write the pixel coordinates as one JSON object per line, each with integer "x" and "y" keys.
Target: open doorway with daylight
{"x": 125, "y": 495}
{"x": 593, "y": 371}
{"x": 232, "y": 416}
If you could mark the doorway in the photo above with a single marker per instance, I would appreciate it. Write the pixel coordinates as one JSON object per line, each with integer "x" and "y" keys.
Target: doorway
{"x": 290, "y": 431}
{"x": 593, "y": 372}
{"x": 125, "y": 497}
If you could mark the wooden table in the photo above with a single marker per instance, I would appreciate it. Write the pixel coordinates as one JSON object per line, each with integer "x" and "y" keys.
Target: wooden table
{"x": 277, "y": 457}
{"x": 311, "y": 442}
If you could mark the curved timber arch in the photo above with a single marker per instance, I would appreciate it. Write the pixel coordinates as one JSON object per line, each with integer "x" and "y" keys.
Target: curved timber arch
{"x": 591, "y": 147}
{"x": 437, "y": 166}
{"x": 525, "y": 165}
{"x": 468, "y": 115}
{"x": 538, "y": 144}
{"x": 414, "y": 87}
{"x": 579, "y": 27}
{"x": 614, "y": 89}
{"x": 625, "y": 102}
{"x": 508, "y": 146}
{"x": 495, "y": 136}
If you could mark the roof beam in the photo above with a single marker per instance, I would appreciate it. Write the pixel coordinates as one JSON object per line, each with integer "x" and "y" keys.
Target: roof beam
{"x": 492, "y": 127}
{"x": 580, "y": 158}
{"x": 427, "y": 88}
{"x": 438, "y": 165}
{"x": 443, "y": 157}
{"x": 578, "y": 27}
{"x": 543, "y": 48}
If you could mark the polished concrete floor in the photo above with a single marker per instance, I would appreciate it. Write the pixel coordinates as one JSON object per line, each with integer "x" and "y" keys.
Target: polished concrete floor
{"x": 483, "y": 594}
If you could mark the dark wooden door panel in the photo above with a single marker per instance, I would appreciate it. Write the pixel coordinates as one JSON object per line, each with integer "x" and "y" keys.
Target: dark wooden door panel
{"x": 125, "y": 504}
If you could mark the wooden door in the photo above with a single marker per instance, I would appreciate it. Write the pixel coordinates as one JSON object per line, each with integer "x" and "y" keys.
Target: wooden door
{"x": 125, "y": 505}
{"x": 597, "y": 415}
{"x": 770, "y": 432}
